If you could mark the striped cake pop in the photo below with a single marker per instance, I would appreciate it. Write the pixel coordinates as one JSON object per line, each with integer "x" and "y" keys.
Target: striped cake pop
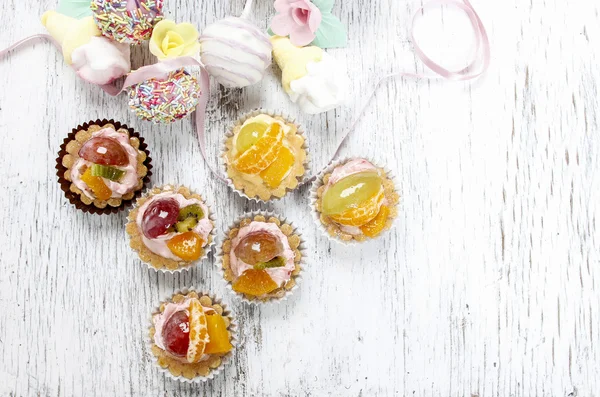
{"x": 127, "y": 21}
{"x": 235, "y": 52}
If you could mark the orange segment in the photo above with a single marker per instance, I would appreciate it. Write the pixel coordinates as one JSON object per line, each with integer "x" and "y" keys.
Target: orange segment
{"x": 361, "y": 214}
{"x": 254, "y": 282}
{"x": 219, "y": 336}
{"x": 101, "y": 191}
{"x": 187, "y": 246}
{"x": 198, "y": 332}
{"x": 262, "y": 153}
{"x": 274, "y": 174}
{"x": 376, "y": 225}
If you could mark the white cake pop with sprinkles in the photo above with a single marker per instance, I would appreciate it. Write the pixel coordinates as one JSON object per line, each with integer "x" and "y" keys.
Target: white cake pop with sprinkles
{"x": 235, "y": 52}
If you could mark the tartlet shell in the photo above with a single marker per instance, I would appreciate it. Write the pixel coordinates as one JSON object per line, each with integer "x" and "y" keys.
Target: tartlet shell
{"x": 224, "y": 359}
{"x": 65, "y": 185}
{"x": 296, "y": 275}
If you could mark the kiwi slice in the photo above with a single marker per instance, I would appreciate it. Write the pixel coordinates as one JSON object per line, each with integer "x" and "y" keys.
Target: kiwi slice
{"x": 105, "y": 171}
{"x": 191, "y": 211}
{"x": 186, "y": 225}
{"x": 278, "y": 261}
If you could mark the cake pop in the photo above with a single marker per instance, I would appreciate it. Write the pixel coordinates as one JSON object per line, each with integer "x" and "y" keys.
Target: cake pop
{"x": 127, "y": 21}
{"x": 312, "y": 78}
{"x": 95, "y": 58}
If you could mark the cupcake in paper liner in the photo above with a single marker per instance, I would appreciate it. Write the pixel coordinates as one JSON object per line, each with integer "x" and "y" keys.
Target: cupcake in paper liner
{"x": 171, "y": 228}
{"x": 354, "y": 200}
{"x": 264, "y": 155}
{"x": 102, "y": 166}
{"x": 261, "y": 257}
{"x": 192, "y": 335}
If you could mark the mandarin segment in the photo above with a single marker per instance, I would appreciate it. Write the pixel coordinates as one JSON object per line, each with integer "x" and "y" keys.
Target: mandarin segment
{"x": 187, "y": 246}
{"x": 274, "y": 174}
{"x": 97, "y": 185}
{"x": 262, "y": 153}
{"x": 377, "y": 224}
{"x": 255, "y": 283}
{"x": 198, "y": 331}
{"x": 218, "y": 335}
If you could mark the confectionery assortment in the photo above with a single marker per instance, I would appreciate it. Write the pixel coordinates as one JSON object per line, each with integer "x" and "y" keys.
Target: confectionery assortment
{"x": 355, "y": 200}
{"x": 192, "y": 335}
{"x": 102, "y": 164}
{"x": 261, "y": 257}
{"x": 171, "y": 228}
{"x": 265, "y": 155}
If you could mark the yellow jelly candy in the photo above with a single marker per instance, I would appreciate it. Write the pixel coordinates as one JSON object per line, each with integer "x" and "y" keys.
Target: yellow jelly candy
{"x": 262, "y": 153}
{"x": 101, "y": 191}
{"x": 377, "y": 224}
{"x": 219, "y": 336}
{"x": 254, "y": 282}
{"x": 249, "y": 135}
{"x": 279, "y": 169}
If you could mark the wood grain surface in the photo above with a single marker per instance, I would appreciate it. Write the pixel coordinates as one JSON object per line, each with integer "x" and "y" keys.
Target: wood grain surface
{"x": 489, "y": 285}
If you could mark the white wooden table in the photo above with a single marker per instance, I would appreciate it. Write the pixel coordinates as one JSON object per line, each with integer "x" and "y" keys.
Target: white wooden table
{"x": 488, "y": 286}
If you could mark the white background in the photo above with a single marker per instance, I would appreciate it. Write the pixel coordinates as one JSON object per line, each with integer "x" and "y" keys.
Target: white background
{"x": 488, "y": 285}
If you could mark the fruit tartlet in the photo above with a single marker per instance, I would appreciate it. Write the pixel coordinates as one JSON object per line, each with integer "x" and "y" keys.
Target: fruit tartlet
{"x": 264, "y": 156}
{"x": 261, "y": 257}
{"x": 102, "y": 166}
{"x": 354, "y": 200}
{"x": 171, "y": 228}
{"x": 192, "y": 336}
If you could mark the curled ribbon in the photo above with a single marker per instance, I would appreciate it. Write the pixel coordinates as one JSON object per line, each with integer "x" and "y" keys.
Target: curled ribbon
{"x": 481, "y": 59}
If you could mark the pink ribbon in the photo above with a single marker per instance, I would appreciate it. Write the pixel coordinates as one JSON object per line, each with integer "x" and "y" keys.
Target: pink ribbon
{"x": 158, "y": 70}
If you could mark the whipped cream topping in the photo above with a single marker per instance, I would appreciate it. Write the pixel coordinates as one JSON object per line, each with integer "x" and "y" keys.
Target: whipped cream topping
{"x": 279, "y": 274}
{"x": 127, "y": 183}
{"x": 160, "y": 319}
{"x": 324, "y": 87}
{"x": 101, "y": 60}
{"x": 159, "y": 245}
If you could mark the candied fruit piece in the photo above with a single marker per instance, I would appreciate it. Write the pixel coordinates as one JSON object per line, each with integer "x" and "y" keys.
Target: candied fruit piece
{"x": 351, "y": 192}
{"x": 101, "y": 191}
{"x": 218, "y": 334}
{"x": 249, "y": 135}
{"x": 187, "y": 246}
{"x": 377, "y": 224}
{"x": 159, "y": 216}
{"x": 279, "y": 169}
{"x": 259, "y": 246}
{"x": 198, "y": 331}
{"x": 263, "y": 153}
{"x": 104, "y": 151}
{"x": 254, "y": 282}
{"x": 358, "y": 216}
{"x": 175, "y": 334}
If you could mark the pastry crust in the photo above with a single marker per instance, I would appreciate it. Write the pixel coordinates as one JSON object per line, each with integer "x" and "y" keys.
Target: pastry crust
{"x": 191, "y": 370}
{"x": 334, "y": 230}
{"x": 293, "y": 239}
{"x": 253, "y": 185}
{"x": 135, "y": 234}
{"x": 69, "y": 159}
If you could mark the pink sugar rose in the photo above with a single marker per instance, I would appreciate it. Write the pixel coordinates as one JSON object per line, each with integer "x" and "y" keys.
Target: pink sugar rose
{"x": 299, "y": 19}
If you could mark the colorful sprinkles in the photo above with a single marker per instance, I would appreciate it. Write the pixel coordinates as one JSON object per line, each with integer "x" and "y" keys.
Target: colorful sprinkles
{"x": 127, "y": 21}
{"x": 165, "y": 101}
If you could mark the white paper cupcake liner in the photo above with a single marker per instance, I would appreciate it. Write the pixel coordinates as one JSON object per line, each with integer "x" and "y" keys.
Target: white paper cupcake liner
{"x": 229, "y": 134}
{"x": 228, "y": 284}
{"x": 318, "y": 182}
{"x": 224, "y": 359}
{"x": 207, "y": 248}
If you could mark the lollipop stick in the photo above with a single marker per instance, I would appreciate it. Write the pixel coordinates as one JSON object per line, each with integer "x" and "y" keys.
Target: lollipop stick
{"x": 247, "y": 9}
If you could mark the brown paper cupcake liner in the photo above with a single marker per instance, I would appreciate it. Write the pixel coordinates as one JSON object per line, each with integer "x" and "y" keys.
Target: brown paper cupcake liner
{"x": 283, "y": 292}
{"x": 158, "y": 358}
{"x": 75, "y": 198}
{"x": 131, "y": 228}
{"x": 223, "y": 164}
{"x": 318, "y": 182}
